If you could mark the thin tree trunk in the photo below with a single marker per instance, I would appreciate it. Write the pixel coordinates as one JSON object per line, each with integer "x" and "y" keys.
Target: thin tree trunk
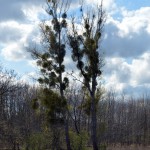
{"x": 94, "y": 124}
{"x": 67, "y": 134}
{"x": 65, "y": 118}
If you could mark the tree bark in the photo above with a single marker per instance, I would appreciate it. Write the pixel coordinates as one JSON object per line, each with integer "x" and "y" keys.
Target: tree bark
{"x": 94, "y": 123}
{"x": 67, "y": 134}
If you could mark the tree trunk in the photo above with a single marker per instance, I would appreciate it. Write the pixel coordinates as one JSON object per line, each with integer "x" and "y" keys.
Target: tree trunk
{"x": 67, "y": 134}
{"x": 94, "y": 123}
{"x": 65, "y": 113}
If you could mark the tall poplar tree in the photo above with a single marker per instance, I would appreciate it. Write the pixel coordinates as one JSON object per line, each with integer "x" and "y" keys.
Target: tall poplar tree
{"x": 85, "y": 46}
{"x": 51, "y": 59}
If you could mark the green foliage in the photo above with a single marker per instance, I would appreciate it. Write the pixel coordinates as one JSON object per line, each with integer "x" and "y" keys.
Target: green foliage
{"x": 78, "y": 141}
{"x": 85, "y": 47}
{"x": 51, "y": 60}
{"x": 54, "y": 105}
{"x": 98, "y": 95}
{"x": 35, "y": 104}
{"x": 103, "y": 147}
{"x": 102, "y": 128}
{"x": 85, "y": 53}
{"x": 38, "y": 141}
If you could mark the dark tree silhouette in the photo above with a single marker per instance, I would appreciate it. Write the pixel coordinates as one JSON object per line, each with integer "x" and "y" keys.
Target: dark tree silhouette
{"x": 51, "y": 59}
{"x": 85, "y": 52}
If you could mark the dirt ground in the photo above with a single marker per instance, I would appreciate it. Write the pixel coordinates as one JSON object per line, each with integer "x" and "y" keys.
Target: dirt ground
{"x": 132, "y": 147}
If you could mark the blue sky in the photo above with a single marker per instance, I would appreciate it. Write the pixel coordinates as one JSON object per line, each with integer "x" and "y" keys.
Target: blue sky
{"x": 126, "y": 40}
{"x": 133, "y": 4}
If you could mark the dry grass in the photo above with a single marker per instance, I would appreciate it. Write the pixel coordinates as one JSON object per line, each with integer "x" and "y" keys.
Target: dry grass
{"x": 132, "y": 147}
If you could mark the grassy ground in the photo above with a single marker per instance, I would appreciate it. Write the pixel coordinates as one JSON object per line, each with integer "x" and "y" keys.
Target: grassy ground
{"x": 132, "y": 147}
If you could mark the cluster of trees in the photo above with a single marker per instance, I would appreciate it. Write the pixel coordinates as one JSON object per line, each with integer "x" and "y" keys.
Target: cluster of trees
{"x": 57, "y": 36}
{"x": 57, "y": 115}
{"x": 122, "y": 119}
{"x": 126, "y": 118}
{"x": 16, "y": 114}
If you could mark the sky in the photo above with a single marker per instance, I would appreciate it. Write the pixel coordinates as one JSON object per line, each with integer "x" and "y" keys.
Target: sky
{"x": 126, "y": 41}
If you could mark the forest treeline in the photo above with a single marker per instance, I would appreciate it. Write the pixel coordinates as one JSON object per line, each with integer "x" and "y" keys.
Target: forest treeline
{"x": 121, "y": 120}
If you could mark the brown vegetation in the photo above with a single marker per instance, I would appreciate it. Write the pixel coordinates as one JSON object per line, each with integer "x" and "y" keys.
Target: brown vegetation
{"x": 132, "y": 147}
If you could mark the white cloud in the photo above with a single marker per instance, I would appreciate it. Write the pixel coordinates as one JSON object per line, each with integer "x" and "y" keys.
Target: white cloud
{"x": 129, "y": 36}
{"x": 141, "y": 69}
{"x": 134, "y": 21}
{"x": 132, "y": 76}
{"x": 34, "y": 14}
{"x": 12, "y": 10}
{"x": 32, "y": 63}
{"x": 16, "y": 38}
{"x": 117, "y": 73}
{"x": 108, "y": 4}
{"x": 14, "y": 52}
{"x": 30, "y": 78}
